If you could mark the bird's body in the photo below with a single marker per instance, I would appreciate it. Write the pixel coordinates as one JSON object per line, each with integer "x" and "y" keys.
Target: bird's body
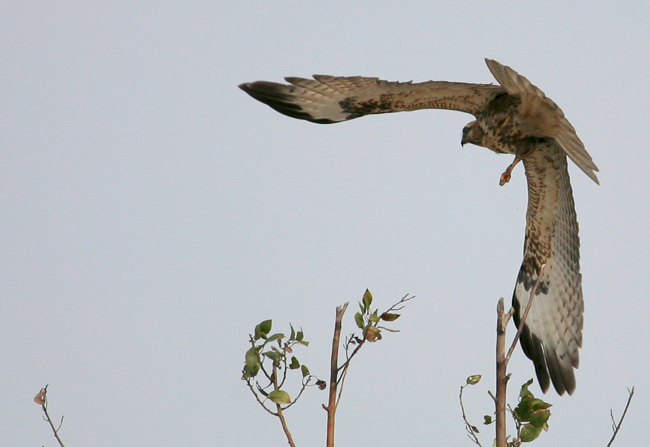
{"x": 514, "y": 117}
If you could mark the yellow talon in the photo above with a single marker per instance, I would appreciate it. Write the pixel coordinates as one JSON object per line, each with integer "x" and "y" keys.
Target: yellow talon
{"x": 507, "y": 174}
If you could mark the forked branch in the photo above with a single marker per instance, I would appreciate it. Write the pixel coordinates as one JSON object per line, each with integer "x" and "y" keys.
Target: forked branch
{"x": 616, "y": 426}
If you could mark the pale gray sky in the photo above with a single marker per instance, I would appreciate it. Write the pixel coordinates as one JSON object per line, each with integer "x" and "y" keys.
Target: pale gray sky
{"x": 152, "y": 214}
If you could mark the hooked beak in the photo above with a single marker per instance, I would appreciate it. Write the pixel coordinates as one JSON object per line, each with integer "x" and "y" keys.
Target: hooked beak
{"x": 463, "y": 140}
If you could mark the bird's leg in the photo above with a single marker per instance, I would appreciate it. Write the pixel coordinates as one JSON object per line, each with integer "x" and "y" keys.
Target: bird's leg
{"x": 507, "y": 174}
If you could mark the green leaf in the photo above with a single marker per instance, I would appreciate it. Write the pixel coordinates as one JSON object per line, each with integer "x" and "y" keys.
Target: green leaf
{"x": 304, "y": 343}
{"x": 358, "y": 318}
{"x": 539, "y": 404}
{"x": 252, "y": 365}
{"x": 300, "y": 335}
{"x": 473, "y": 380}
{"x": 487, "y": 419}
{"x": 524, "y": 390}
{"x": 293, "y": 333}
{"x": 274, "y": 337}
{"x": 304, "y": 370}
{"x": 524, "y": 410}
{"x": 374, "y": 317}
{"x": 539, "y": 418}
{"x": 367, "y": 300}
{"x": 295, "y": 364}
{"x": 529, "y": 433}
{"x": 265, "y": 326}
{"x": 262, "y": 329}
{"x": 389, "y": 317}
{"x": 280, "y": 397}
{"x": 273, "y": 355}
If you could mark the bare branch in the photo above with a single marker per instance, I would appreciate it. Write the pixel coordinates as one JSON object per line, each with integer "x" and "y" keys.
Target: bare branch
{"x": 268, "y": 376}
{"x": 257, "y": 397}
{"x": 617, "y": 426}
{"x": 348, "y": 358}
{"x": 284, "y": 371}
{"x": 346, "y": 364}
{"x": 502, "y": 380}
{"x": 41, "y": 399}
{"x": 334, "y": 371}
{"x": 397, "y": 306}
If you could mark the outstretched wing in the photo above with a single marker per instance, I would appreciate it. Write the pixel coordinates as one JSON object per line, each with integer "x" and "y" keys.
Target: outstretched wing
{"x": 330, "y": 99}
{"x": 548, "y": 117}
{"x": 552, "y": 331}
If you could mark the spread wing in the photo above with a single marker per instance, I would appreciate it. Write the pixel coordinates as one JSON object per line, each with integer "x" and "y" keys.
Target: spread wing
{"x": 546, "y": 114}
{"x": 330, "y": 99}
{"x": 552, "y": 332}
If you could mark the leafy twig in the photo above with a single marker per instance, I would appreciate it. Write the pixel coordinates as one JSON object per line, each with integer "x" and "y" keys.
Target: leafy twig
{"x": 367, "y": 320}
{"x": 471, "y": 430}
{"x": 274, "y": 363}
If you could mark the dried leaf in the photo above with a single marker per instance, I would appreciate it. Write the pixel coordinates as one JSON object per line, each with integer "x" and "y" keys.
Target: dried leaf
{"x": 40, "y": 397}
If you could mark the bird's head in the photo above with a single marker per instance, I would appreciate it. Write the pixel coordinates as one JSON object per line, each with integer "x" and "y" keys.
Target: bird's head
{"x": 472, "y": 133}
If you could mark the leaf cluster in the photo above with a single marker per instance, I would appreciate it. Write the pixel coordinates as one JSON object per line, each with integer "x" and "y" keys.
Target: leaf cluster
{"x": 368, "y": 320}
{"x": 531, "y": 415}
{"x": 272, "y": 355}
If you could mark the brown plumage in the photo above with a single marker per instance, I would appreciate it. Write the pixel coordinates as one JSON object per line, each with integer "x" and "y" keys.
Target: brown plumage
{"x": 514, "y": 117}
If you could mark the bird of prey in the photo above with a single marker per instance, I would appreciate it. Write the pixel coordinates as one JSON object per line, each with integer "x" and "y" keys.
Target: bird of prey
{"x": 514, "y": 117}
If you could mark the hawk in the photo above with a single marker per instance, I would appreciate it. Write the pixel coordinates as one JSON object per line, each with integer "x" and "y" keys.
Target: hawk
{"x": 514, "y": 117}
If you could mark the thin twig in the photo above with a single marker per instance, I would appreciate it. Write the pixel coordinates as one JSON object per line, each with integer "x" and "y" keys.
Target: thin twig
{"x": 348, "y": 356}
{"x": 617, "y": 426}
{"x": 343, "y": 369}
{"x": 284, "y": 372}
{"x": 404, "y": 299}
{"x": 250, "y": 385}
{"x": 341, "y": 384}
{"x": 348, "y": 359}
{"x": 280, "y": 414}
{"x": 304, "y": 387}
{"x": 469, "y": 427}
{"x": 41, "y": 399}
{"x": 268, "y": 376}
